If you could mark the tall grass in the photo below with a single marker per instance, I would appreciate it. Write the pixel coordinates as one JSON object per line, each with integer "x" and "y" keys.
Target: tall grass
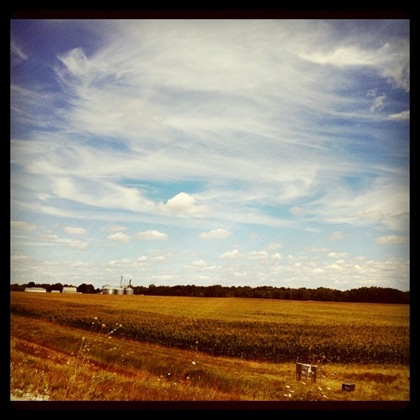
{"x": 45, "y": 356}
{"x": 278, "y": 331}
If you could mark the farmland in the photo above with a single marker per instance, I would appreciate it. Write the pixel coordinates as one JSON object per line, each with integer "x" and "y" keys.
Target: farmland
{"x": 228, "y": 348}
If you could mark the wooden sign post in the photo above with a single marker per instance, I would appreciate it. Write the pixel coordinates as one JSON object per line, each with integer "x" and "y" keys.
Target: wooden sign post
{"x": 305, "y": 370}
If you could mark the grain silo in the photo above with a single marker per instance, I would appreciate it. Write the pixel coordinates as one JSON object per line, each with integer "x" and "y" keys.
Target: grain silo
{"x": 129, "y": 289}
{"x": 119, "y": 290}
{"x": 107, "y": 290}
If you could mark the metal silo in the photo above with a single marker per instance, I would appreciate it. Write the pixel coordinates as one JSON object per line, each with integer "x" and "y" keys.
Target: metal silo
{"x": 119, "y": 291}
{"x": 129, "y": 291}
{"x": 108, "y": 290}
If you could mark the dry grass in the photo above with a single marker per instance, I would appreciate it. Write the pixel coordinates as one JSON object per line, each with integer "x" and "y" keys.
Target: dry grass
{"x": 58, "y": 363}
{"x": 253, "y": 329}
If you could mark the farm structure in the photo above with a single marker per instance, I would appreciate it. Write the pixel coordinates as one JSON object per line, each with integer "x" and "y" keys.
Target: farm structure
{"x": 35, "y": 289}
{"x": 69, "y": 289}
{"x": 121, "y": 290}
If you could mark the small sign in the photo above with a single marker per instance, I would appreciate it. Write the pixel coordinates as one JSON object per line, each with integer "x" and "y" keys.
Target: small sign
{"x": 348, "y": 387}
{"x": 305, "y": 370}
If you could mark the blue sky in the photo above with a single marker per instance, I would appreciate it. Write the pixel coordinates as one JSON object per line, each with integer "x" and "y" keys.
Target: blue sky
{"x": 233, "y": 152}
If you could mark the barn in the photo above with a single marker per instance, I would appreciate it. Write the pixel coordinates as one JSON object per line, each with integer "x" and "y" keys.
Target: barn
{"x": 35, "y": 289}
{"x": 69, "y": 289}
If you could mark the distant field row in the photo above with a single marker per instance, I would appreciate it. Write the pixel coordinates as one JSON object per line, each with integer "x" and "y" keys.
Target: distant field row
{"x": 251, "y": 329}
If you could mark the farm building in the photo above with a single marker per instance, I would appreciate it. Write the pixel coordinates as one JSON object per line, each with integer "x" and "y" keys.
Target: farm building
{"x": 69, "y": 289}
{"x": 129, "y": 290}
{"x": 107, "y": 290}
{"x": 35, "y": 289}
{"x": 121, "y": 290}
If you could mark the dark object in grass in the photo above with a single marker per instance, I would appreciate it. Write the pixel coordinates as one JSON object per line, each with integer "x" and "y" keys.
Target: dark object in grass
{"x": 348, "y": 387}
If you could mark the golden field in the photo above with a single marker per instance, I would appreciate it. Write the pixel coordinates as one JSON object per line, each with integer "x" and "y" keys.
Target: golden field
{"x": 151, "y": 348}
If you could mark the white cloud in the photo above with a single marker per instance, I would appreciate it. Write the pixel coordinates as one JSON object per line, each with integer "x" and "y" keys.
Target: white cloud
{"x": 337, "y": 254}
{"x": 19, "y": 224}
{"x": 51, "y": 237}
{"x": 401, "y": 116}
{"x": 391, "y": 240}
{"x": 370, "y": 214}
{"x": 80, "y": 264}
{"x": 276, "y": 256}
{"x": 215, "y": 234}
{"x": 230, "y": 254}
{"x": 197, "y": 153}
{"x": 17, "y": 51}
{"x": 384, "y": 203}
{"x": 391, "y": 60}
{"x": 273, "y": 246}
{"x": 257, "y": 255}
{"x": 343, "y": 57}
{"x": 77, "y": 244}
{"x": 317, "y": 249}
{"x": 125, "y": 262}
{"x": 119, "y": 237}
{"x": 151, "y": 235}
{"x": 266, "y": 119}
{"x": 378, "y": 103}
{"x": 240, "y": 273}
{"x": 72, "y": 230}
{"x": 115, "y": 228}
{"x": 182, "y": 204}
{"x": 75, "y": 62}
{"x": 18, "y": 257}
{"x": 334, "y": 267}
{"x": 199, "y": 263}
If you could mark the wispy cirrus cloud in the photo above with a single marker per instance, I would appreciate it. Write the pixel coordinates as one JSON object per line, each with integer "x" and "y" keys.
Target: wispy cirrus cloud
{"x": 291, "y": 132}
{"x": 402, "y": 116}
{"x": 19, "y": 224}
{"x": 17, "y": 51}
{"x": 391, "y": 240}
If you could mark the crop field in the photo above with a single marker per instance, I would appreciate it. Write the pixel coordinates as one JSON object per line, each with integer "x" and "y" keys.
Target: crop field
{"x": 153, "y": 348}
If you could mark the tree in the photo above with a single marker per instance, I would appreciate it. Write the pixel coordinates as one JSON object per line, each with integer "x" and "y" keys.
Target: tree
{"x": 214, "y": 291}
{"x": 86, "y": 288}
{"x": 57, "y": 286}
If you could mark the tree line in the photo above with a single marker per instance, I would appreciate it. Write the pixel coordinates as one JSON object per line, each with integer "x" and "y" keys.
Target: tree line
{"x": 371, "y": 294}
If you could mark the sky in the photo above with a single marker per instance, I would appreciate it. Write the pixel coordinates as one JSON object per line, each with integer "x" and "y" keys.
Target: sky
{"x": 212, "y": 151}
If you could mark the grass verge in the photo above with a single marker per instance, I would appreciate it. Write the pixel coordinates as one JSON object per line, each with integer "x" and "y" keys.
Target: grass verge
{"x": 59, "y": 363}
